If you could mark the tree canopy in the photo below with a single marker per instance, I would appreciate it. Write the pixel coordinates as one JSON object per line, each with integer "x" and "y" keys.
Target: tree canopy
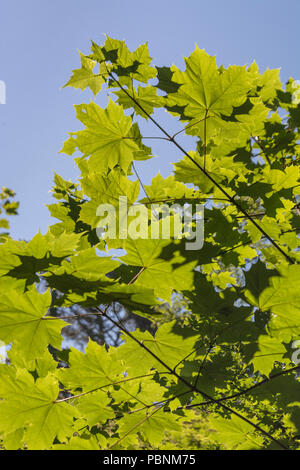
{"x": 218, "y": 362}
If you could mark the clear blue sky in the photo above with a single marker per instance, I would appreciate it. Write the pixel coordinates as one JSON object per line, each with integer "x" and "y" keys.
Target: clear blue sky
{"x": 39, "y": 40}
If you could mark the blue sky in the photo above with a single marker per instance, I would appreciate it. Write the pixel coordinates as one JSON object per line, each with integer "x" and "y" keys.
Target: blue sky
{"x": 39, "y": 40}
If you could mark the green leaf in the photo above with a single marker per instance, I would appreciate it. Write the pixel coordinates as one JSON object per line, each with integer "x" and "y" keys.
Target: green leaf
{"x": 107, "y": 190}
{"x": 170, "y": 343}
{"x": 269, "y": 351}
{"x": 146, "y": 97}
{"x": 94, "y": 408}
{"x": 104, "y": 137}
{"x": 85, "y": 77}
{"x": 155, "y": 268}
{"x": 91, "y": 370}
{"x": 129, "y": 65}
{"x": 282, "y": 298}
{"x": 33, "y": 405}
{"x": 79, "y": 443}
{"x": 203, "y": 88}
{"x": 152, "y": 426}
{"x": 23, "y": 321}
{"x": 87, "y": 265}
{"x": 236, "y": 434}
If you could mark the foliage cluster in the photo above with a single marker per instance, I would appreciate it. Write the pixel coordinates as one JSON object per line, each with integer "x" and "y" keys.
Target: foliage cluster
{"x": 221, "y": 368}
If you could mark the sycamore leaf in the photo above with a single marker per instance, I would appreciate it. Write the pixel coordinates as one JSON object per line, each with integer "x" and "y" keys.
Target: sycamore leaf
{"x": 283, "y": 179}
{"x": 23, "y": 321}
{"x": 269, "y": 82}
{"x": 170, "y": 343}
{"x": 85, "y": 77}
{"x": 140, "y": 300}
{"x": 111, "y": 189}
{"x": 144, "y": 152}
{"x": 79, "y": 443}
{"x": 155, "y": 270}
{"x": 4, "y": 223}
{"x": 235, "y": 434}
{"x": 129, "y": 65}
{"x": 162, "y": 189}
{"x": 92, "y": 369}
{"x": 94, "y": 407}
{"x": 13, "y": 440}
{"x": 108, "y": 189}
{"x": 87, "y": 265}
{"x": 146, "y": 97}
{"x": 33, "y": 405}
{"x": 152, "y": 426}
{"x": 104, "y": 137}
{"x": 269, "y": 350}
{"x": 282, "y": 298}
{"x": 165, "y": 82}
{"x": 257, "y": 279}
{"x": 187, "y": 172}
{"x": 203, "y": 88}
{"x": 41, "y": 366}
{"x": 21, "y": 262}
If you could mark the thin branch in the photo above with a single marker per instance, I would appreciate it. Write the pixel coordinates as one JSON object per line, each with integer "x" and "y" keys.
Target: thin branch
{"x": 140, "y": 180}
{"x": 190, "y": 125}
{"x": 258, "y": 142}
{"x": 136, "y": 276}
{"x": 204, "y": 139}
{"x": 204, "y": 360}
{"x": 187, "y": 356}
{"x": 139, "y": 138}
{"x": 207, "y": 199}
{"x": 243, "y": 392}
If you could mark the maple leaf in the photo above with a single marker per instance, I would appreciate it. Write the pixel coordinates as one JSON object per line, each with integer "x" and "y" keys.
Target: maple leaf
{"x": 104, "y": 138}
